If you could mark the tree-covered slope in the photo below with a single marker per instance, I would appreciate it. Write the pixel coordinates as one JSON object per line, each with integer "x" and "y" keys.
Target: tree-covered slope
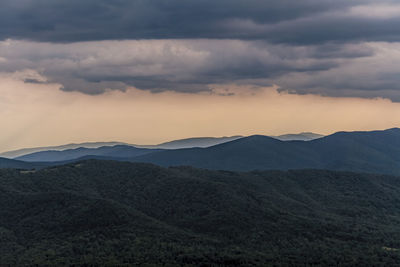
{"x": 115, "y": 213}
{"x": 17, "y": 164}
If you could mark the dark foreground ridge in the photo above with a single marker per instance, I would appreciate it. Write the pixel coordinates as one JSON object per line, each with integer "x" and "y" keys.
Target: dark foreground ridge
{"x": 114, "y": 213}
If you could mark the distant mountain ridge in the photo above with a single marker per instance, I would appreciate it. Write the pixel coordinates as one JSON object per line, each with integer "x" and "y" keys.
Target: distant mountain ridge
{"x": 26, "y": 151}
{"x": 375, "y": 151}
{"x": 176, "y": 144}
{"x": 117, "y": 152}
{"x": 305, "y": 136}
{"x": 192, "y": 142}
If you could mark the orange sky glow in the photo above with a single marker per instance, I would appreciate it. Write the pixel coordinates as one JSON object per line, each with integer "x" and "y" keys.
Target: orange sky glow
{"x": 40, "y": 114}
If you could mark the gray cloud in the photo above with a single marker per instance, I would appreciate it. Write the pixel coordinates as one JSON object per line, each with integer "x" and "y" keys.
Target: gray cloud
{"x": 370, "y": 77}
{"x": 329, "y": 47}
{"x": 193, "y": 65}
{"x": 159, "y": 65}
{"x": 283, "y": 21}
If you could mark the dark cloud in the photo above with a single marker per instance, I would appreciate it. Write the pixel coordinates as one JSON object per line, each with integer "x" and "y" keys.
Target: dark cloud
{"x": 283, "y": 21}
{"x": 335, "y": 29}
{"x": 194, "y": 65}
{"x": 369, "y": 77}
{"x": 159, "y": 65}
{"x": 327, "y": 47}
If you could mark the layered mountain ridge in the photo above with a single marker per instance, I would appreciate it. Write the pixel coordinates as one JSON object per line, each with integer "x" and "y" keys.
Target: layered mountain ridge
{"x": 175, "y": 144}
{"x": 374, "y": 151}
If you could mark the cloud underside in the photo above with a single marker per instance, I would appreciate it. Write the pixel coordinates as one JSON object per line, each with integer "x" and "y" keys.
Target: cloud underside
{"x": 284, "y": 21}
{"x": 332, "y": 47}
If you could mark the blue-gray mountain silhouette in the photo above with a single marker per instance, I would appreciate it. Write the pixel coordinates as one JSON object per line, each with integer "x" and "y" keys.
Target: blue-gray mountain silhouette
{"x": 375, "y": 151}
{"x": 175, "y": 144}
{"x": 118, "y": 152}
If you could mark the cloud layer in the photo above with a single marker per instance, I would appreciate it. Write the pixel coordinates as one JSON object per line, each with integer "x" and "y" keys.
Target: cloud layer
{"x": 284, "y": 21}
{"x": 330, "y": 47}
{"x": 192, "y": 66}
{"x": 158, "y": 65}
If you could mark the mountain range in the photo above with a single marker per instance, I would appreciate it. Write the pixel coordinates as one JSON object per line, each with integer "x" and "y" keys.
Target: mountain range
{"x": 117, "y": 152}
{"x": 374, "y": 151}
{"x": 176, "y": 144}
{"x": 26, "y": 151}
{"x": 244, "y": 204}
{"x": 305, "y": 136}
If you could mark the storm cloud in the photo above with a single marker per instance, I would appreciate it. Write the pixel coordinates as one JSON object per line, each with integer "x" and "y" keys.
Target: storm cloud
{"x": 284, "y": 21}
{"x": 158, "y": 65}
{"x": 331, "y": 47}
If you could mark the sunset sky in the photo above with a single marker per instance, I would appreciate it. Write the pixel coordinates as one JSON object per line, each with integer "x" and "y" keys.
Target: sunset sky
{"x": 149, "y": 71}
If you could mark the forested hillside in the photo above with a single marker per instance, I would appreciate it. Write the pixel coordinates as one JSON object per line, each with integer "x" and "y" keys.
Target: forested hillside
{"x": 115, "y": 213}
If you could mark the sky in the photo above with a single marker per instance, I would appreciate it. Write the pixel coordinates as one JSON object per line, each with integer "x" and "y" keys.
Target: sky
{"x": 149, "y": 71}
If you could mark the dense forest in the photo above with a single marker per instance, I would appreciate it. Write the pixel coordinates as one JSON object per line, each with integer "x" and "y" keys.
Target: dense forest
{"x": 115, "y": 213}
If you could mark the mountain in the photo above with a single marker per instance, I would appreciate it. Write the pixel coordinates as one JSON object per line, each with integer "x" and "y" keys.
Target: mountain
{"x": 107, "y": 213}
{"x": 17, "y": 164}
{"x": 176, "y": 144}
{"x": 212, "y": 141}
{"x": 117, "y": 152}
{"x": 25, "y": 151}
{"x": 306, "y": 136}
{"x": 248, "y": 153}
{"x": 193, "y": 142}
{"x": 376, "y": 151}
